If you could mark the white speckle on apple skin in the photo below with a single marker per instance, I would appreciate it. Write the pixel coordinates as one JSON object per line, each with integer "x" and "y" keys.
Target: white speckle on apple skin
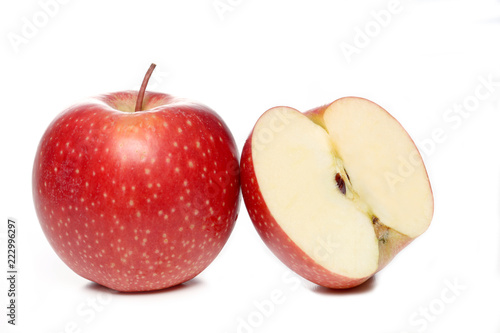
{"x": 116, "y": 193}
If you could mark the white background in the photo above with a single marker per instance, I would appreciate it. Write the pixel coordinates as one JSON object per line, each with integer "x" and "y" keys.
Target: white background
{"x": 430, "y": 57}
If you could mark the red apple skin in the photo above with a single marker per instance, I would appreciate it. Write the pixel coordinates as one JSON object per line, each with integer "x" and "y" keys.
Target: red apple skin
{"x": 137, "y": 201}
{"x": 274, "y": 236}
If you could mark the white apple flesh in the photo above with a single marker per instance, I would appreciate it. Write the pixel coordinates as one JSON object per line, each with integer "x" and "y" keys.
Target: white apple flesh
{"x": 337, "y": 192}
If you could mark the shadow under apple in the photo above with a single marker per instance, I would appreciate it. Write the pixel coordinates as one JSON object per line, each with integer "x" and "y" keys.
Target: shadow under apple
{"x": 366, "y": 287}
{"x": 188, "y": 285}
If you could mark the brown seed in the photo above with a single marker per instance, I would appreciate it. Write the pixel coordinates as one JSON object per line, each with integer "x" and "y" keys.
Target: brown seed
{"x": 340, "y": 183}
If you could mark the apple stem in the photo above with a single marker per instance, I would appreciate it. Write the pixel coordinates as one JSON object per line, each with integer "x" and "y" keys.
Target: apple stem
{"x": 140, "y": 96}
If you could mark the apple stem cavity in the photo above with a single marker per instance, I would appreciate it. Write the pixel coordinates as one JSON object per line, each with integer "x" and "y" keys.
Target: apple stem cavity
{"x": 140, "y": 96}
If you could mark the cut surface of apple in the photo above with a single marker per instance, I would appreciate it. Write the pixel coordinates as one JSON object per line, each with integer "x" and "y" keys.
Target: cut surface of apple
{"x": 344, "y": 182}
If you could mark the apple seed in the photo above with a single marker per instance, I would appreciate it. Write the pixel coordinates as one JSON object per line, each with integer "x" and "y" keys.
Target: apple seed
{"x": 340, "y": 183}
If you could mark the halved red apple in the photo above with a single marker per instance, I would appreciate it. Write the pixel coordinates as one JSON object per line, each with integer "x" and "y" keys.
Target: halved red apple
{"x": 336, "y": 192}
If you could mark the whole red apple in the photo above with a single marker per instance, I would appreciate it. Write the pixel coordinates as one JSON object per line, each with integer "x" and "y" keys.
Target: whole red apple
{"x": 137, "y": 191}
